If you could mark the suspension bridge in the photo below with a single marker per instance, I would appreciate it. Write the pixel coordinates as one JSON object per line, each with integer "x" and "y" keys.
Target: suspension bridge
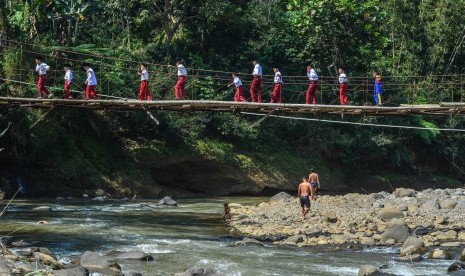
{"x": 439, "y": 95}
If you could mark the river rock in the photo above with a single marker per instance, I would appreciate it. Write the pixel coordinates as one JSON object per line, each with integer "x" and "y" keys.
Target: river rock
{"x": 91, "y": 260}
{"x": 47, "y": 259}
{"x": 369, "y": 270}
{"x": 451, "y": 244}
{"x": 85, "y": 196}
{"x": 460, "y": 205}
{"x": 248, "y": 241}
{"x": 421, "y": 230}
{"x": 42, "y": 208}
{"x": 457, "y": 266}
{"x": 77, "y": 271}
{"x": 430, "y": 205}
{"x": 447, "y": 236}
{"x": 331, "y": 218}
{"x": 294, "y": 239}
{"x": 369, "y": 241}
{"x": 462, "y": 256}
{"x": 4, "y": 269}
{"x": 20, "y": 244}
{"x": 200, "y": 272}
{"x": 134, "y": 255}
{"x": 411, "y": 258}
{"x": 167, "y": 201}
{"x": 280, "y": 197}
{"x": 413, "y": 241}
{"x": 448, "y": 204}
{"x": 412, "y": 250}
{"x": 439, "y": 254}
{"x": 234, "y": 205}
{"x": 99, "y": 198}
{"x": 398, "y": 232}
{"x": 403, "y": 192}
{"x": 388, "y": 213}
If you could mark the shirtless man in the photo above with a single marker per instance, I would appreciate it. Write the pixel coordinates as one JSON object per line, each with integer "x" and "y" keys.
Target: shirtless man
{"x": 304, "y": 192}
{"x": 314, "y": 182}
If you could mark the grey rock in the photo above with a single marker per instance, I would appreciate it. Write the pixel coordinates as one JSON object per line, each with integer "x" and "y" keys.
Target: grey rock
{"x": 134, "y": 255}
{"x": 369, "y": 270}
{"x": 460, "y": 205}
{"x": 388, "y": 213}
{"x": 200, "y": 272}
{"x": 397, "y": 232}
{"x": 448, "y": 204}
{"x": 109, "y": 271}
{"x": 413, "y": 241}
{"x": 77, "y": 271}
{"x": 457, "y": 266}
{"x": 280, "y": 197}
{"x": 431, "y": 205}
{"x": 295, "y": 239}
{"x": 451, "y": 244}
{"x": 20, "y": 244}
{"x": 403, "y": 192}
{"x": 421, "y": 230}
{"x": 85, "y": 196}
{"x": 412, "y": 250}
{"x": 411, "y": 258}
{"x": 167, "y": 201}
{"x": 91, "y": 260}
{"x": 4, "y": 269}
{"x": 248, "y": 241}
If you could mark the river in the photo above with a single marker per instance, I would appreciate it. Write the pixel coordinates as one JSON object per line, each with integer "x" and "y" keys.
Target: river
{"x": 178, "y": 238}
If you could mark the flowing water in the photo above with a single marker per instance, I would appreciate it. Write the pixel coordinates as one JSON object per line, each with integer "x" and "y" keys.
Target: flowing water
{"x": 189, "y": 235}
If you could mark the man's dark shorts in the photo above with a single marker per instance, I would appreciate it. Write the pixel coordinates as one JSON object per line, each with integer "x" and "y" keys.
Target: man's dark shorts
{"x": 314, "y": 184}
{"x": 305, "y": 201}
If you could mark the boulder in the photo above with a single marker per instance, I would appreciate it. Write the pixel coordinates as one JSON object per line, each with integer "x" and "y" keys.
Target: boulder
{"x": 430, "y": 205}
{"x": 411, "y": 258}
{"x": 294, "y": 239}
{"x": 167, "y": 201}
{"x": 42, "y": 208}
{"x": 4, "y": 269}
{"x": 200, "y": 272}
{"x": 413, "y": 241}
{"x": 412, "y": 250}
{"x": 460, "y": 205}
{"x": 280, "y": 197}
{"x": 369, "y": 270}
{"x": 450, "y": 235}
{"x": 439, "y": 254}
{"x": 388, "y": 213}
{"x": 134, "y": 255}
{"x": 403, "y": 192}
{"x": 77, "y": 271}
{"x": 421, "y": 230}
{"x": 248, "y": 241}
{"x": 47, "y": 259}
{"x": 457, "y": 266}
{"x": 369, "y": 241}
{"x": 448, "y": 204}
{"x": 397, "y": 232}
{"x": 91, "y": 260}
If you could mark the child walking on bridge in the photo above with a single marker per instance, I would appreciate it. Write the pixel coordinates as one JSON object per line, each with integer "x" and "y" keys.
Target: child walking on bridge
{"x": 41, "y": 69}
{"x": 239, "y": 95}
{"x": 144, "y": 93}
{"x": 91, "y": 82}
{"x": 68, "y": 81}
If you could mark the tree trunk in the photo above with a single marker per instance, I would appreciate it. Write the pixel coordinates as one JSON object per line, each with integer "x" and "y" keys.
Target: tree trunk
{"x": 76, "y": 31}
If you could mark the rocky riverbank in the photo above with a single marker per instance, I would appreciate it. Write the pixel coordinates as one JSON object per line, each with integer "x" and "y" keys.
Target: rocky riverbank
{"x": 423, "y": 223}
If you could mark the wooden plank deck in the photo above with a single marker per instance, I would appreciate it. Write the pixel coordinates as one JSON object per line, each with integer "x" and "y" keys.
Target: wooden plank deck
{"x": 228, "y": 106}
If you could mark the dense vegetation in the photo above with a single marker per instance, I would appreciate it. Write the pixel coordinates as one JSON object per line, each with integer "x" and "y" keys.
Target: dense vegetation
{"x": 399, "y": 38}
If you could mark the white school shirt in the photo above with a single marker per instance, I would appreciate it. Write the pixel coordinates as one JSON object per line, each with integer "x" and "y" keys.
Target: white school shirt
{"x": 91, "y": 79}
{"x": 237, "y": 82}
{"x": 278, "y": 78}
{"x": 342, "y": 78}
{"x": 69, "y": 76}
{"x": 312, "y": 75}
{"x": 144, "y": 75}
{"x": 42, "y": 69}
{"x": 182, "y": 70}
{"x": 257, "y": 70}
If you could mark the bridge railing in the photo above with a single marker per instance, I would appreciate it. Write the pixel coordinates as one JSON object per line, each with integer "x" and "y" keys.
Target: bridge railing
{"x": 118, "y": 78}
